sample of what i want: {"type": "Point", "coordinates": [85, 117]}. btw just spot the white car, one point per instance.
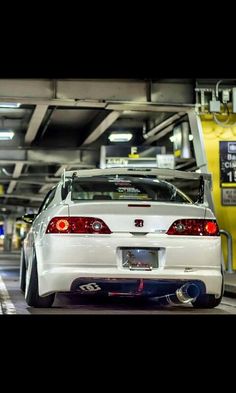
{"type": "Point", "coordinates": [123, 232]}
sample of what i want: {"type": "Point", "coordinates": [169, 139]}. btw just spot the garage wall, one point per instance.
{"type": "Point", "coordinates": [226, 215]}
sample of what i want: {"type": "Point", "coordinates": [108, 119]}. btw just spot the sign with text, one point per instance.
{"type": "Point", "coordinates": [165, 161]}
{"type": "Point", "coordinates": [227, 163]}
{"type": "Point", "coordinates": [228, 196]}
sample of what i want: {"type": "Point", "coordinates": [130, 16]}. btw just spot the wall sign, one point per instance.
{"type": "Point", "coordinates": [228, 196]}
{"type": "Point", "coordinates": [165, 161]}
{"type": "Point", "coordinates": [227, 163]}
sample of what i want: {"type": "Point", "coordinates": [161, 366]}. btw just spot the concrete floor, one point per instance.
{"type": "Point", "coordinates": [14, 302]}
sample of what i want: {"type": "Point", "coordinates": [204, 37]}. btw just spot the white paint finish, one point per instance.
{"type": "Point", "coordinates": [60, 279]}
{"type": "Point", "coordinates": [160, 173]}
{"type": "Point", "coordinates": [120, 217]}
{"type": "Point", "coordinates": [6, 304]}
{"type": "Point", "coordinates": [35, 123]}
{"type": "Point", "coordinates": [63, 258]}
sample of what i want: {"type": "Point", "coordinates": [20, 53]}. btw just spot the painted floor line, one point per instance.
{"type": "Point", "coordinates": [7, 307]}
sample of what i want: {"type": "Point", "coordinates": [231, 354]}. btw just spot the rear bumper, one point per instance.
{"type": "Point", "coordinates": [66, 258]}
{"type": "Point", "coordinates": [69, 279]}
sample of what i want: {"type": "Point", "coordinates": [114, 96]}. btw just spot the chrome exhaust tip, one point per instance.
{"type": "Point", "coordinates": [187, 293]}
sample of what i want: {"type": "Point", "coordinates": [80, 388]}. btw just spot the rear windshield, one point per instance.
{"type": "Point", "coordinates": [126, 188]}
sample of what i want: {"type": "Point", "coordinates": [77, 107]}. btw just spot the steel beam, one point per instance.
{"type": "Point", "coordinates": [32, 197]}
{"type": "Point", "coordinates": [148, 106]}
{"type": "Point", "coordinates": [31, 180]}
{"type": "Point", "coordinates": [100, 125]}
{"type": "Point", "coordinates": [35, 123]}
{"type": "Point", "coordinates": [100, 90]}
{"type": "Point", "coordinates": [162, 125]}
{"type": "Point", "coordinates": [160, 135]}
{"type": "Point", "coordinates": [16, 174]}
{"type": "Point", "coordinates": [11, 186]}
{"type": "Point", "coordinates": [69, 157]}
{"type": "Point", "coordinates": [60, 170]}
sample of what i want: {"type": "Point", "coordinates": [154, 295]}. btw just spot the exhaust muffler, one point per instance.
{"type": "Point", "coordinates": [183, 295]}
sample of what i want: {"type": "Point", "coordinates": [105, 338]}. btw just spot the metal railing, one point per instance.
{"type": "Point", "coordinates": [229, 250]}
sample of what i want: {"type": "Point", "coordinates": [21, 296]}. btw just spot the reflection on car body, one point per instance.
{"type": "Point", "coordinates": [122, 233]}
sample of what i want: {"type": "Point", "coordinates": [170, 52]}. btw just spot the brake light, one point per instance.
{"type": "Point", "coordinates": [194, 227]}
{"type": "Point", "coordinates": [130, 205]}
{"type": "Point", "coordinates": [211, 227]}
{"type": "Point", "coordinates": [62, 225]}
{"type": "Point", "coordinates": [88, 225]}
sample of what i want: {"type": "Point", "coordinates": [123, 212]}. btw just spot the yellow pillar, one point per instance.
{"type": "Point", "coordinates": [213, 134]}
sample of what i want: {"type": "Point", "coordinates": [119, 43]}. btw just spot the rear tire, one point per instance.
{"type": "Point", "coordinates": [209, 301]}
{"type": "Point", "coordinates": [22, 271]}
{"type": "Point", "coordinates": [32, 296]}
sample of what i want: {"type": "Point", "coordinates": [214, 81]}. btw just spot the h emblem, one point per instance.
{"type": "Point", "coordinates": [138, 223]}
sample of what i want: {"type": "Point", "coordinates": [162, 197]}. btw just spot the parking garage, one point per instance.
{"type": "Point", "coordinates": [50, 127]}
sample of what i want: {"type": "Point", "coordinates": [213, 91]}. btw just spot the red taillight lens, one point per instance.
{"type": "Point", "coordinates": [62, 225]}
{"type": "Point", "coordinates": [211, 228]}
{"type": "Point", "coordinates": [194, 227]}
{"type": "Point", "coordinates": [77, 225]}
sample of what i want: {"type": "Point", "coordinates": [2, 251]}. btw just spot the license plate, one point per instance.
{"type": "Point", "coordinates": [140, 258]}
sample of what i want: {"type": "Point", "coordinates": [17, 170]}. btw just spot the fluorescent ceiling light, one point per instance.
{"type": "Point", "coordinates": [9, 104]}
{"type": "Point", "coordinates": [172, 138]}
{"type": "Point", "coordinates": [6, 135]}
{"type": "Point", "coordinates": [120, 137]}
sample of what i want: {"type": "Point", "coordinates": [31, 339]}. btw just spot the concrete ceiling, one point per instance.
{"type": "Point", "coordinates": [62, 124]}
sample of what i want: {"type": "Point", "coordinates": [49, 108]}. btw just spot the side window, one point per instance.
{"type": "Point", "coordinates": [47, 200]}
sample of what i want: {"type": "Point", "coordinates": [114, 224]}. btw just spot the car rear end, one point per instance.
{"type": "Point", "coordinates": [129, 244]}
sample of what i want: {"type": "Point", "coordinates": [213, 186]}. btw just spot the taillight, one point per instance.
{"type": "Point", "coordinates": [194, 227]}
{"type": "Point", "coordinates": [77, 225]}
{"type": "Point", "coordinates": [62, 225]}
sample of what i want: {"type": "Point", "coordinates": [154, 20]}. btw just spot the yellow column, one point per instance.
{"type": "Point", "coordinates": [213, 134]}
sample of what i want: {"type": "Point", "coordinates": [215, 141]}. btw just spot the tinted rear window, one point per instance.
{"type": "Point", "coordinates": [126, 188]}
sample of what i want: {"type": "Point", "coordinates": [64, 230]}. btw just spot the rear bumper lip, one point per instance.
{"type": "Point", "coordinates": [134, 287]}
{"type": "Point", "coordinates": [62, 279]}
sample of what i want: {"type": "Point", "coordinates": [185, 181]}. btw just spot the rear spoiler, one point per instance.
{"type": "Point", "coordinates": [158, 172]}
{"type": "Point", "coordinates": [155, 172]}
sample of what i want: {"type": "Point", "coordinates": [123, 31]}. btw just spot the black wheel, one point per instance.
{"type": "Point", "coordinates": [22, 271]}
{"type": "Point", "coordinates": [32, 296]}
{"type": "Point", "coordinates": [209, 301]}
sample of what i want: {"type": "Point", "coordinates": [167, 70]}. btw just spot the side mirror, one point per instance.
{"type": "Point", "coordinates": [29, 218]}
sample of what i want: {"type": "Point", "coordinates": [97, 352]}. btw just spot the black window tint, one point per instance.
{"type": "Point", "coordinates": [126, 188]}
{"type": "Point", "coordinates": [65, 190]}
